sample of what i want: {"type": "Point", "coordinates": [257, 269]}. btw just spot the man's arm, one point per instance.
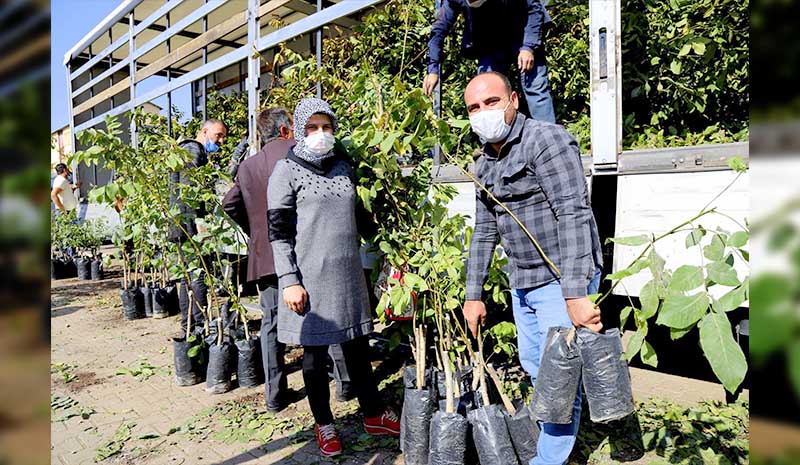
{"type": "Point", "coordinates": [233, 205]}
{"type": "Point", "coordinates": [445, 19]}
{"type": "Point", "coordinates": [54, 195]}
{"type": "Point", "coordinates": [481, 248]}
{"type": "Point", "coordinates": [560, 173]}
{"type": "Point", "coordinates": [533, 28]}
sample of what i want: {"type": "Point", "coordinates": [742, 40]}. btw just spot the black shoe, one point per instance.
{"type": "Point", "coordinates": [345, 396]}
{"type": "Point", "coordinates": [285, 399]}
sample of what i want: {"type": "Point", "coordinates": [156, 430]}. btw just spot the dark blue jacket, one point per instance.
{"type": "Point", "coordinates": [497, 26]}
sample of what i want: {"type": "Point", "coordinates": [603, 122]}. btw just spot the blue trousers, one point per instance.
{"type": "Point", "coordinates": [535, 310]}
{"type": "Point", "coordinates": [535, 85]}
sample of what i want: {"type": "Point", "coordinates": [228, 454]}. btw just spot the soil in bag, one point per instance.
{"type": "Point", "coordinates": [62, 268]}
{"type": "Point", "coordinates": [415, 419]}
{"type": "Point", "coordinates": [448, 439]}
{"type": "Point", "coordinates": [160, 302]}
{"type": "Point", "coordinates": [558, 379]}
{"type": "Point", "coordinates": [132, 303]}
{"type": "Point", "coordinates": [606, 379]}
{"type": "Point", "coordinates": [84, 266]}
{"type": "Point", "coordinates": [96, 269]}
{"type": "Point", "coordinates": [491, 437]}
{"type": "Point", "coordinates": [218, 373]}
{"type": "Point", "coordinates": [147, 300]}
{"type": "Point", "coordinates": [186, 367]}
{"type": "Point", "coordinates": [524, 433]}
{"type": "Point", "coordinates": [249, 370]}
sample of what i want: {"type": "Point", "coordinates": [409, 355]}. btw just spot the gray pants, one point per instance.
{"type": "Point", "coordinates": [272, 351]}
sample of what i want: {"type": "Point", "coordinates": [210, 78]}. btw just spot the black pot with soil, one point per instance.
{"type": "Point", "coordinates": [415, 419]}
{"type": "Point", "coordinates": [147, 300]}
{"type": "Point", "coordinates": [221, 358]}
{"type": "Point", "coordinates": [249, 369]}
{"type": "Point", "coordinates": [62, 268]}
{"type": "Point", "coordinates": [84, 268]}
{"type": "Point", "coordinates": [189, 360]}
{"type": "Point", "coordinates": [96, 273]}
{"type": "Point", "coordinates": [132, 303]}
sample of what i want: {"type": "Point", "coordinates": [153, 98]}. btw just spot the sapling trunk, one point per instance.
{"type": "Point", "coordinates": [190, 292]}
{"type": "Point", "coordinates": [481, 370]}
{"type": "Point", "coordinates": [448, 382]}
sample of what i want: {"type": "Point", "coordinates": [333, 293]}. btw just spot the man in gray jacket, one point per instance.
{"type": "Point", "coordinates": [534, 169]}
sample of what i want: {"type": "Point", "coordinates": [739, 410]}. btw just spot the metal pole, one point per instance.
{"type": "Point", "coordinates": [72, 137]}
{"type": "Point", "coordinates": [169, 78]}
{"type": "Point", "coordinates": [110, 64]}
{"type": "Point", "coordinates": [132, 72]}
{"type": "Point", "coordinates": [437, 96]}
{"type": "Point", "coordinates": [203, 82]}
{"type": "Point", "coordinates": [253, 73]}
{"type": "Point", "coordinates": [319, 50]}
{"type": "Point", "coordinates": [91, 76]}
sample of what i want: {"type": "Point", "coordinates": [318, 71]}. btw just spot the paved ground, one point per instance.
{"type": "Point", "coordinates": [152, 421]}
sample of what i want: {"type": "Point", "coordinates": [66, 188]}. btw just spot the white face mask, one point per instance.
{"type": "Point", "coordinates": [476, 3]}
{"type": "Point", "coordinates": [490, 125]}
{"type": "Point", "coordinates": [320, 143]}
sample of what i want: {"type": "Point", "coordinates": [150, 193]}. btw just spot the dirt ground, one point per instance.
{"type": "Point", "coordinates": [100, 415]}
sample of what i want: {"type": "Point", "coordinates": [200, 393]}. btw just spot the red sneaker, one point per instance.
{"type": "Point", "coordinates": [328, 440]}
{"type": "Point", "coordinates": [386, 423]}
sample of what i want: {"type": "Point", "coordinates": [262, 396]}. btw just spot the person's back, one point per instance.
{"type": "Point", "coordinates": [253, 176]}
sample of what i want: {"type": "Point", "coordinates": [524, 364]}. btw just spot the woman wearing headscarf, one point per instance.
{"type": "Point", "coordinates": [312, 228]}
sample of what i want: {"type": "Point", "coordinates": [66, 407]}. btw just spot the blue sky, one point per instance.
{"type": "Point", "coordinates": [70, 21]}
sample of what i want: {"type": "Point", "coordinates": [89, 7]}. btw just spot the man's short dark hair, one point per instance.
{"type": "Point", "coordinates": [61, 168]}
{"type": "Point", "coordinates": [270, 121]}
{"type": "Point", "coordinates": [211, 121]}
{"type": "Point", "coordinates": [503, 77]}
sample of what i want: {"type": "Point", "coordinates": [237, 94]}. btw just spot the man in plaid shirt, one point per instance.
{"type": "Point", "coordinates": [534, 168]}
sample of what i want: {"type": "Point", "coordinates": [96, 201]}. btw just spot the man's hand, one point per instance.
{"type": "Point", "coordinates": [295, 297]}
{"type": "Point", "coordinates": [525, 61]}
{"type": "Point", "coordinates": [430, 83]}
{"type": "Point", "coordinates": [583, 312]}
{"type": "Point", "coordinates": [475, 314]}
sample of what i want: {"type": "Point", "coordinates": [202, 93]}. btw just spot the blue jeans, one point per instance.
{"type": "Point", "coordinates": [534, 83]}
{"type": "Point", "coordinates": [535, 310]}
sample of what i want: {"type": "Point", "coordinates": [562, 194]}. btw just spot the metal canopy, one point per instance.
{"type": "Point", "coordinates": [187, 41]}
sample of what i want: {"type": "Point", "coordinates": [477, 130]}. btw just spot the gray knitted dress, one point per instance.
{"type": "Point", "coordinates": [312, 218]}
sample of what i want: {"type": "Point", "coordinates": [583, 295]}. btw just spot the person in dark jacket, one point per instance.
{"type": "Point", "coordinates": [246, 204]}
{"type": "Point", "coordinates": [209, 139]}
{"type": "Point", "coordinates": [499, 34]}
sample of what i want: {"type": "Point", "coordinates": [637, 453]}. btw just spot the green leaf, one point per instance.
{"type": "Point", "coordinates": [722, 351]}
{"type": "Point", "coordinates": [677, 333]}
{"type": "Point", "coordinates": [733, 299]}
{"type": "Point", "coordinates": [695, 237]}
{"type": "Point", "coordinates": [648, 355]}
{"type": "Point", "coordinates": [387, 143]}
{"type": "Point", "coordinates": [738, 239]}
{"type": "Point", "coordinates": [715, 250]}
{"type": "Point", "coordinates": [675, 67]}
{"type": "Point", "coordinates": [657, 266]}
{"type": "Point", "coordinates": [737, 164]}
{"type": "Point", "coordinates": [623, 316]}
{"type": "Point", "coordinates": [686, 278]}
{"type": "Point", "coordinates": [635, 344]}
{"type": "Point", "coordinates": [722, 273]}
{"type": "Point", "coordinates": [681, 311]}
{"type": "Point", "coordinates": [636, 267]}
{"type": "Point", "coordinates": [630, 240]}
{"type": "Point", "coordinates": [648, 296]}
{"type": "Point", "coordinates": [687, 47]}
{"type": "Point", "coordinates": [415, 282]}
{"type": "Point", "coordinates": [699, 47]}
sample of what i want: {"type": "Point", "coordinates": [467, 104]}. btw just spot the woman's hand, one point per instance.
{"type": "Point", "coordinates": [295, 297]}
